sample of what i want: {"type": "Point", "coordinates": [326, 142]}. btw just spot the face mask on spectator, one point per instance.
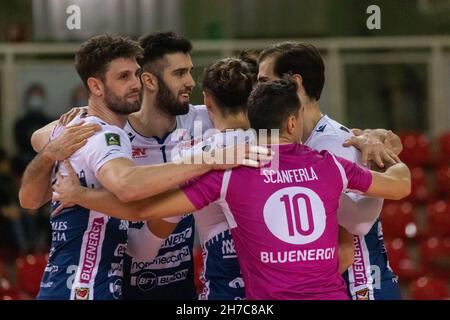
{"type": "Point", "coordinates": [36, 103]}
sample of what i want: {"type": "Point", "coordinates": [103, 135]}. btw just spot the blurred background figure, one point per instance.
{"type": "Point", "coordinates": [33, 119]}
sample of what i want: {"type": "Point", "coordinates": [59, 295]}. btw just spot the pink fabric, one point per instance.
{"type": "Point", "coordinates": [286, 233]}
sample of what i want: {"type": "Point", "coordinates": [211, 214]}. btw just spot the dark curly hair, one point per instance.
{"type": "Point", "coordinates": [94, 55]}
{"type": "Point", "coordinates": [230, 82]}
{"type": "Point", "coordinates": [272, 103]}
{"type": "Point", "coordinates": [156, 45]}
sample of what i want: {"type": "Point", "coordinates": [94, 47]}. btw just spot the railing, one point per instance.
{"type": "Point", "coordinates": [338, 52]}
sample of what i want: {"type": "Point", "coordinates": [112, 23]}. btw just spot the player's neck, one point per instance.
{"type": "Point", "coordinates": [311, 117]}
{"type": "Point", "coordinates": [149, 121]}
{"type": "Point", "coordinates": [238, 121]}
{"type": "Point", "coordinates": [97, 108]}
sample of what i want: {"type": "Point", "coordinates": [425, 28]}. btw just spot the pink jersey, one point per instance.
{"type": "Point", "coordinates": [284, 222]}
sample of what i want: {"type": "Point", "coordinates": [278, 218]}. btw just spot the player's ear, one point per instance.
{"type": "Point", "coordinates": [207, 100]}
{"type": "Point", "coordinates": [291, 124]}
{"type": "Point", "coordinates": [149, 81]}
{"type": "Point", "coordinates": [95, 86]}
{"type": "Point", "coordinates": [299, 80]}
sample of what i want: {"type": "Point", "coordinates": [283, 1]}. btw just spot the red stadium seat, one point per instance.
{"type": "Point", "coordinates": [443, 180]}
{"type": "Point", "coordinates": [435, 255]}
{"type": "Point", "coordinates": [438, 218]}
{"type": "Point", "coordinates": [416, 149]}
{"type": "Point", "coordinates": [419, 186]}
{"type": "Point", "coordinates": [7, 292]}
{"type": "Point", "coordinates": [3, 271]}
{"type": "Point", "coordinates": [399, 220]}
{"type": "Point", "coordinates": [426, 288]}
{"type": "Point", "coordinates": [444, 147]}
{"type": "Point", "coordinates": [29, 273]}
{"type": "Point", "coordinates": [400, 260]}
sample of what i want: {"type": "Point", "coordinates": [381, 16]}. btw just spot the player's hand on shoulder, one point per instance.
{"type": "Point", "coordinates": [372, 149]}
{"type": "Point", "coordinates": [243, 154]}
{"type": "Point", "coordinates": [65, 119]}
{"type": "Point", "coordinates": [70, 140]}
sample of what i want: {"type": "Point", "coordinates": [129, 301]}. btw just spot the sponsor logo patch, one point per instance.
{"type": "Point", "coordinates": [81, 293]}
{"type": "Point", "coordinates": [112, 139]}
{"type": "Point", "coordinates": [362, 294]}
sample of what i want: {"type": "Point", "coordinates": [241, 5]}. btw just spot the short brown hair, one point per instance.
{"type": "Point", "coordinates": [95, 54]}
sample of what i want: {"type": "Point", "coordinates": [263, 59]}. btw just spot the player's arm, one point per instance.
{"type": "Point", "coordinates": [35, 188]}
{"type": "Point", "coordinates": [357, 213]}
{"type": "Point", "coordinates": [42, 136]}
{"type": "Point", "coordinates": [68, 192]}
{"type": "Point", "coordinates": [144, 243]}
{"type": "Point", "coordinates": [130, 183]}
{"type": "Point", "coordinates": [346, 250]}
{"type": "Point", "coordinates": [394, 183]}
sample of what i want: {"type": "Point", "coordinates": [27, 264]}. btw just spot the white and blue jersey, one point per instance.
{"type": "Point", "coordinates": [221, 278]}
{"type": "Point", "coordinates": [86, 256]}
{"type": "Point", "coordinates": [370, 277]}
{"type": "Point", "coordinates": [170, 275]}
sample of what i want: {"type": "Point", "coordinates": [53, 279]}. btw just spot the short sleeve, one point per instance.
{"type": "Point", "coordinates": [354, 177]}
{"type": "Point", "coordinates": [205, 189]}
{"type": "Point", "coordinates": [107, 145]}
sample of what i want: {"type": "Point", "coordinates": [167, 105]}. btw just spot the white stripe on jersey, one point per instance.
{"type": "Point", "coordinates": [91, 249]}
{"type": "Point", "coordinates": [368, 283]}
{"type": "Point", "coordinates": [342, 171]}
{"type": "Point", "coordinates": [223, 203]}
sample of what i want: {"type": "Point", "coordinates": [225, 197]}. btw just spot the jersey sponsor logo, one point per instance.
{"type": "Point", "coordinates": [321, 128]}
{"type": "Point", "coordinates": [298, 255]}
{"type": "Point", "coordinates": [116, 289]}
{"type": "Point", "coordinates": [51, 268]}
{"type": "Point", "coordinates": [58, 228]}
{"type": "Point", "coordinates": [112, 139]}
{"type": "Point", "coordinates": [362, 294]}
{"type": "Point", "coordinates": [169, 260]}
{"type": "Point", "coordinates": [177, 238]}
{"type": "Point", "coordinates": [177, 276]}
{"type": "Point", "coordinates": [236, 283]}
{"type": "Point", "coordinates": [120, 250]}
{"type": "Point", "coordinates": [90, 256]}
{"type": "Point", "coordinates": [228, 249]}
{"type": "Point", "coordinates": [146, 281]}
{"type": "Point", "coordinates": [46, 284]}
{"type": "Point", "coordinates": [139, 153]}
{"type": "Point", "coordinates": [124, 224]}
{"type": "Point", "coordinates": [359, 267]}
{"type": "Point", "coordinates": [81, 293]}
{"type": "Point", "coordinates": [288, 214]}
{"type": "Point", "coordinates": [116, 269]}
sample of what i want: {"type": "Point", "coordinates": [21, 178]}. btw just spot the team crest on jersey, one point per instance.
{"type": "Point", "coordinates": [112, 139]}
{"type": "Point", "coordinates": [81, 293]}
{"type": "Point", "coordinates": [362, 294]}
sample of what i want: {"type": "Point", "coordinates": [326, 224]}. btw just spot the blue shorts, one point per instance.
{"type": "Point", "coordinates": [221, 277]}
